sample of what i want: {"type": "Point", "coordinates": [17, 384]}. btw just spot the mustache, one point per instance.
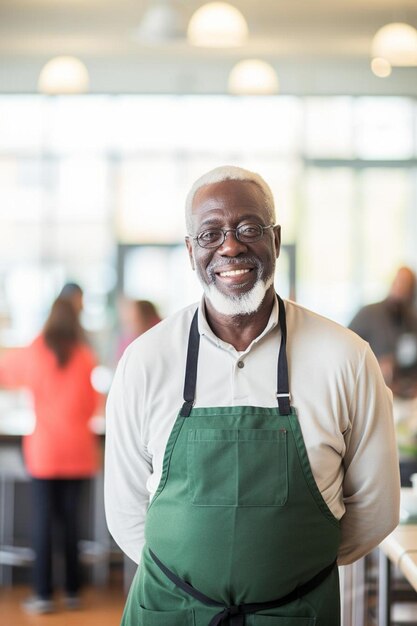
{"type": "Point", "coordinates": [250, 260]}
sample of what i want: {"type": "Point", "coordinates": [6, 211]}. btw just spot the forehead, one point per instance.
{"type": "Point", "coordinates": [229, 199]}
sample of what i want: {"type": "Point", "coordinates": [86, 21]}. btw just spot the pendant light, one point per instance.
{"type": "Point", "coordinates": [63, 75]}
{"type": "Point", "coordinates": [396, 43]}
{"type": "Point", "coordinates": [253, 77]}
{"type": "Point", "coordinates": [217, 25]}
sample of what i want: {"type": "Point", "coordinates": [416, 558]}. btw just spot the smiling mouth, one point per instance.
{"type": "Point", "coordinates": [233, 273]}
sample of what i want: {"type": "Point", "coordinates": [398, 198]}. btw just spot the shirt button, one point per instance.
{"type": "Point", "coordinates": [240, 364]}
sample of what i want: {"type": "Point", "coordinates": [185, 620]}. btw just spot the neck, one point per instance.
{"type": "Point", "coordinates": [240, 330]}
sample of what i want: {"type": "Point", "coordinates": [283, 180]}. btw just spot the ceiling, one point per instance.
{"type": "Point", "coordinates": [316, 46]}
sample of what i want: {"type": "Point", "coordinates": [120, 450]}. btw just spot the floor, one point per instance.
{"type": "Point", "coordinates": [100, 607]}
{"type": "Point", "coordinates": [104, 607]}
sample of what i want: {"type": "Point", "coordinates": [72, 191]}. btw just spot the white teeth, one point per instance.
{"type": "Point", "coordinates": [234, 272]}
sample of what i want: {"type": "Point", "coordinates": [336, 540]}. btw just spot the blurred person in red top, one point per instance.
{"type": "Point", "coordinates": [136, 317]}
{"type": "Point", "coordinates": [62, 451]}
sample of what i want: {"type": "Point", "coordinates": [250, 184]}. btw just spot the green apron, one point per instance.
{"type": "Point", "coordinates": [237, 532]}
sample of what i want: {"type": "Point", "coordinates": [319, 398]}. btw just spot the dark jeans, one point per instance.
{"type": "Point", "coordinates": [406, 469]}
{"type": "Point", "coordinates": [55, 499]}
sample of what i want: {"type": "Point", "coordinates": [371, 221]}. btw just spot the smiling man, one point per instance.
{"type": "Point", "coordinates": [250, 446]}
{"type": "Point", "coordinates": [236, 282]}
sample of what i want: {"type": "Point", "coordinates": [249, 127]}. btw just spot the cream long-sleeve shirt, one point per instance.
{"type": "Point", "coordinates": [343, 406]}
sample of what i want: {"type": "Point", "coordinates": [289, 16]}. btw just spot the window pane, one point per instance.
{"type": "Point", "coordinates": [82, 192]}
{"type": "Point", "coordinates": [245, 125]}
{"type": "Point", "coordinates": [385, 196]}
{"type": "Point", "coordinates": [21, 189]}
{"type": "Point", "coordinates": [79, 123]}
{"type": "Point", "coordinates": [328, 127]}
{"type": "Point", "coordinates": [383, 128]}
{"type": "Point", "coordinates": [325, 241]}
{"type": "Point", "coordinates": [79, 244]}
{"type": "Point", "coordinates": [21, 123]}
{"type": "Point", "coordinates": [146, 123]}
{"type": "Point", "coordinates": [19, 244]}
{"type": "Point", "coordinates": [149, 207]}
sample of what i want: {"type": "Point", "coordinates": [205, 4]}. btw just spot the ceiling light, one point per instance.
{"type": "Point", "coordinates": [253, 77]}
{"type": "Point", "coordinates": [381, 67]}
{"type": "Point", "coordinates": [397, 43]}
{"type": "Point", "coordinates": [164, 20]}
{"type": "Point", "coordinates": [63, 75]}
{"type": "Point", "coordinates": [217, 25]}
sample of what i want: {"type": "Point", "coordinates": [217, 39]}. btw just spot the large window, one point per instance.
{"type": "Point", "coordinates": [82, 177]}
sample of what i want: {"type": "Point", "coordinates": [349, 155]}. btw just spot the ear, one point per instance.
{"type": "Point", "coordinates": [277, 238]}
{"type": "Point", "coordinates": [189, 245]}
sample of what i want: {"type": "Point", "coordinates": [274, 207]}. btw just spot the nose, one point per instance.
{"type": "Point", "coordinates": [231, 245]}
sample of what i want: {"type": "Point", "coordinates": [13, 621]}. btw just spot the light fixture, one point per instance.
{"type": "Point", "coordinates": [217, 25]}
{"type": "Point", "coordinates": [163, 21]}
{"type": "Point", "coordinates": [63, 75]}
{"type": "Point", "coordinates": [381, 67]}
{"type": "Point", "coordinates": [253, 77]}
{"type": "Point", "coordinates": [396, 43]}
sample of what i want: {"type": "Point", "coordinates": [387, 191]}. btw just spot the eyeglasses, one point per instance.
{"type": "Point", "coordinates": [246, 233]}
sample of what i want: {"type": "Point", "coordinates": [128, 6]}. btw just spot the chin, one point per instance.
{"type": "Point", "coordinates": [236, 305]}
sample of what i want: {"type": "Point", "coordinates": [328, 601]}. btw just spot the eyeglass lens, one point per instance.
{"type": "Point", "coordinates": [245, 233]}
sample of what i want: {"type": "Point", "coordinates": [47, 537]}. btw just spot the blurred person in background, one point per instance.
{"type": "Point", "coordinates": [136, 317]}
{"type": "Point", "coordinates": [73, 293]}
{"type": "Point", "coordinates": [62, 452]}
{"type": "Point", "coordinates": [390, 327]}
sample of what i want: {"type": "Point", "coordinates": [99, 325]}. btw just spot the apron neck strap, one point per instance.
{"type": "Point", "coordinates": [283, 394]}
{"type": "Point", "coordinates": [283, 389]}
{"type": "Point", "coordinates": [191, 367]}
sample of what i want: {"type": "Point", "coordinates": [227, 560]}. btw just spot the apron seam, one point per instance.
{"type": "Point", "coordinates": [305, 464]}
{"type": "Point", "coordinates": [167, 461]}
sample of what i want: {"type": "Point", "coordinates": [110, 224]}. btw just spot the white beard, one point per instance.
{"type": "Point", "coordinates": [244, 304]}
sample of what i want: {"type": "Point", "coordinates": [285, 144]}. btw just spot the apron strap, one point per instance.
{"type": "Point", "coordinates": [235, 615]}
{"type": "Point", "coordinates": [283, 389]}
{"type": "Point", "coordinates": [191, 367]}
{"type": "Point", "coordinates": [283, 393]}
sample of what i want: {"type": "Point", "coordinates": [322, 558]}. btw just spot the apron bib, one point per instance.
{"type": "Point", "coordinates": [238, 532]}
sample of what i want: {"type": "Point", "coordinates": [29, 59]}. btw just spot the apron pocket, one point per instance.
{"type": "Point", "coordinates": [166, 618]}
{"type": "Point", "coordinates": [266, 620]}
{"type": "Point", "coordinates": [245, 467]}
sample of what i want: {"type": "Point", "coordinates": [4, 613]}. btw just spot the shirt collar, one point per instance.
{"type": "Point", "coordinates": [205, 330]}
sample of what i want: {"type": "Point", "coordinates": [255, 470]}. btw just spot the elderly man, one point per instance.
{"type": "Point", "coordinates": [250, 445]}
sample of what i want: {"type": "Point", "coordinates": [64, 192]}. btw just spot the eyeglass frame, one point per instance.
{"type": "Point", "coordinates": [231, 230]}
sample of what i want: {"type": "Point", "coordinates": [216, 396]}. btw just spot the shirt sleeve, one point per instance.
{"type": "Point", "coordinates": [127, 464]}
{"type": "Point", "coordinates": [371, 487]}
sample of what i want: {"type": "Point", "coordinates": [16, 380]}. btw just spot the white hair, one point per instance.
{"type": "Point", "coordinates": [228, 172]}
